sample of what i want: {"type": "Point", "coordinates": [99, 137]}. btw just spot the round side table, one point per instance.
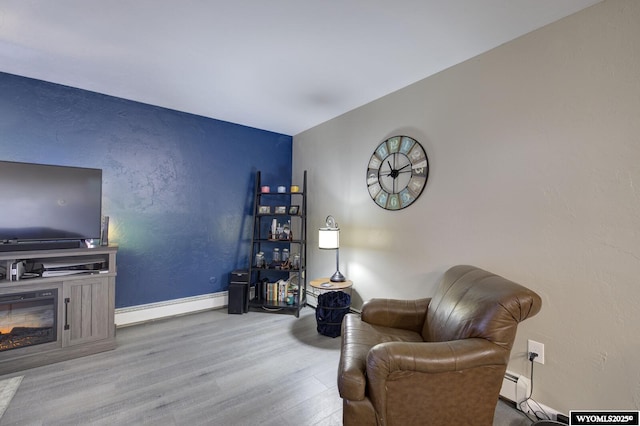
{"type": "Point", "coordinates": [326, 284]}
{"type": "Point", "coordinates": [334, 302]}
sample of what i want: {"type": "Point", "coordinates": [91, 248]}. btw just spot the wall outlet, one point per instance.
{"type": "Point", "coordinates": [537, 347]}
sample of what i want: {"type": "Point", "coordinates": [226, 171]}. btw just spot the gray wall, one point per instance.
{"type": "Point", "coordinates": [535, 175]}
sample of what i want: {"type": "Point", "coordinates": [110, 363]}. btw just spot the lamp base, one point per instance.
{"type": "Point", "coordinates": [338, 277]}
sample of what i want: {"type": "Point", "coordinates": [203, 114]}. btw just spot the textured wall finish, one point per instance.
{"type": "Point", "coordinates": [177, 187]}
{"type": "Point", "coordinates": [534, 150]}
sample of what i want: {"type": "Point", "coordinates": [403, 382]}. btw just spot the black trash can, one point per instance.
{"type": "Point", "coordinates": [332, 307]}
{"type": "Point", "coordinates": [239, 292]}
{"type": "Point", "coordinates": [237, 297]}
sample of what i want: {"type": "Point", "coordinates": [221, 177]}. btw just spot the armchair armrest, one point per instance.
{"type": "Point", "coordinates": [433, 357]}
{"type": "Point", "coordinates": [396, 361]}
{"type": "Point", "coordinates": [404, 314]}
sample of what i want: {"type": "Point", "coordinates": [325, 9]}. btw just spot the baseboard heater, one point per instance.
{"type": "Point", "coordinates": [515, 387]}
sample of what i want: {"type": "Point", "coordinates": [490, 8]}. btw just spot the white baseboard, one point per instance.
{"type": "Point", "coordinates": [312, 299]}
{"type": "Point", "coordinates": [169, 308]}
{"type": "Point", "coordinates": [517, 388]}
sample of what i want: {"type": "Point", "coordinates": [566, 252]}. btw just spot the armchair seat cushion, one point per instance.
{"type": "Point", "coordinates": [358, 338]}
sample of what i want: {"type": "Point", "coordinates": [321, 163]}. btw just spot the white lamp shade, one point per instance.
{"type": "Point", "coordinates": [329, 238]}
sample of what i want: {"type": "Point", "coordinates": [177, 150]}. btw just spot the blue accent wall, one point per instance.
{"type": "Point", "coordinates": [176, 186]}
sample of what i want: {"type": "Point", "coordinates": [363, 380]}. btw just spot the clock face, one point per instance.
{"type": "Point", "coordinates": [397, 172]}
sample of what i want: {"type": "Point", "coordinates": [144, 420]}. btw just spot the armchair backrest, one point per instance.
{"type": "Point", "coordinates": [471, 302]}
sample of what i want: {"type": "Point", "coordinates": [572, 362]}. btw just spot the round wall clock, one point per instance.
{"type": "Point", "coordinates": [397, 172]}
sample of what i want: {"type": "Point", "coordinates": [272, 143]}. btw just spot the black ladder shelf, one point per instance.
{"type": "Point", "coordinates": [280, 286]}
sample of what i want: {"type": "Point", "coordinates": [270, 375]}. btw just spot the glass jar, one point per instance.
{"type": "Point", "coordinates": [276, 255]}
{"type": "Point", "coordinates": [295, 263]}
{"type": "Point", "coordinates": [285, 255]}
{"type": "Point", "coordinates": [259, 260]}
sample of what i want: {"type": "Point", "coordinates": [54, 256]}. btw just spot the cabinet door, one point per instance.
{"type": "Point", "coordinates": [86, 309]}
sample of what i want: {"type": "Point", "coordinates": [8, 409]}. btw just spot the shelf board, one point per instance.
{"type": "Point", "coordinates": [278, 215]}
{"type": "Point", "coordinates": [281, 193]}
{"type": "Point", "coordinates": [270, 268]}
{"type": "Point", "coordinates": [272, 304]}
{"type": "Point", "coordinates": [266, 240]}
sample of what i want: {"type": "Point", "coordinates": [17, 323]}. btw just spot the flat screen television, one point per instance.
{"type": "Point", "coordinates": [47, 203]}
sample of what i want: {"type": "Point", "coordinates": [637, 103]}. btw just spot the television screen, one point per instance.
{"type": "Point", "coordinates": [46, 203]}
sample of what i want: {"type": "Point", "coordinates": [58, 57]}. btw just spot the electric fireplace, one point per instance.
{"type": "Point", "coordinates": [28, 318]}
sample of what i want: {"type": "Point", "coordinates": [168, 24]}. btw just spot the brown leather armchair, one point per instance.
{"type": "Point", "coordinates": [433, 361]}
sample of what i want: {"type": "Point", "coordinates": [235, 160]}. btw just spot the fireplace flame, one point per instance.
{"type": "Point", "coordinates": [27, 322]}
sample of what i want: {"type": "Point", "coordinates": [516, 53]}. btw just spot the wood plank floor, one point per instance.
{"type": "Point", "coordinates": [208, 368]}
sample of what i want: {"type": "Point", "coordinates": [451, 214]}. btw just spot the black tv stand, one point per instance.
{"type": "Point", "coordinates": [40, 245]}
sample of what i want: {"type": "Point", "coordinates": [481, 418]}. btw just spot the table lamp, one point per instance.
{"type": "Point", "coordinates": [329, 239]}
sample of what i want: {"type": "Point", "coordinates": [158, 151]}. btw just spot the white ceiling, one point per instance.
{"type": "Point", "coordinates": [279, 65]}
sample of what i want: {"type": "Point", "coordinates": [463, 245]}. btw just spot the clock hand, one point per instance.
{"type": "Point", "coordinates": [403, 167]}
